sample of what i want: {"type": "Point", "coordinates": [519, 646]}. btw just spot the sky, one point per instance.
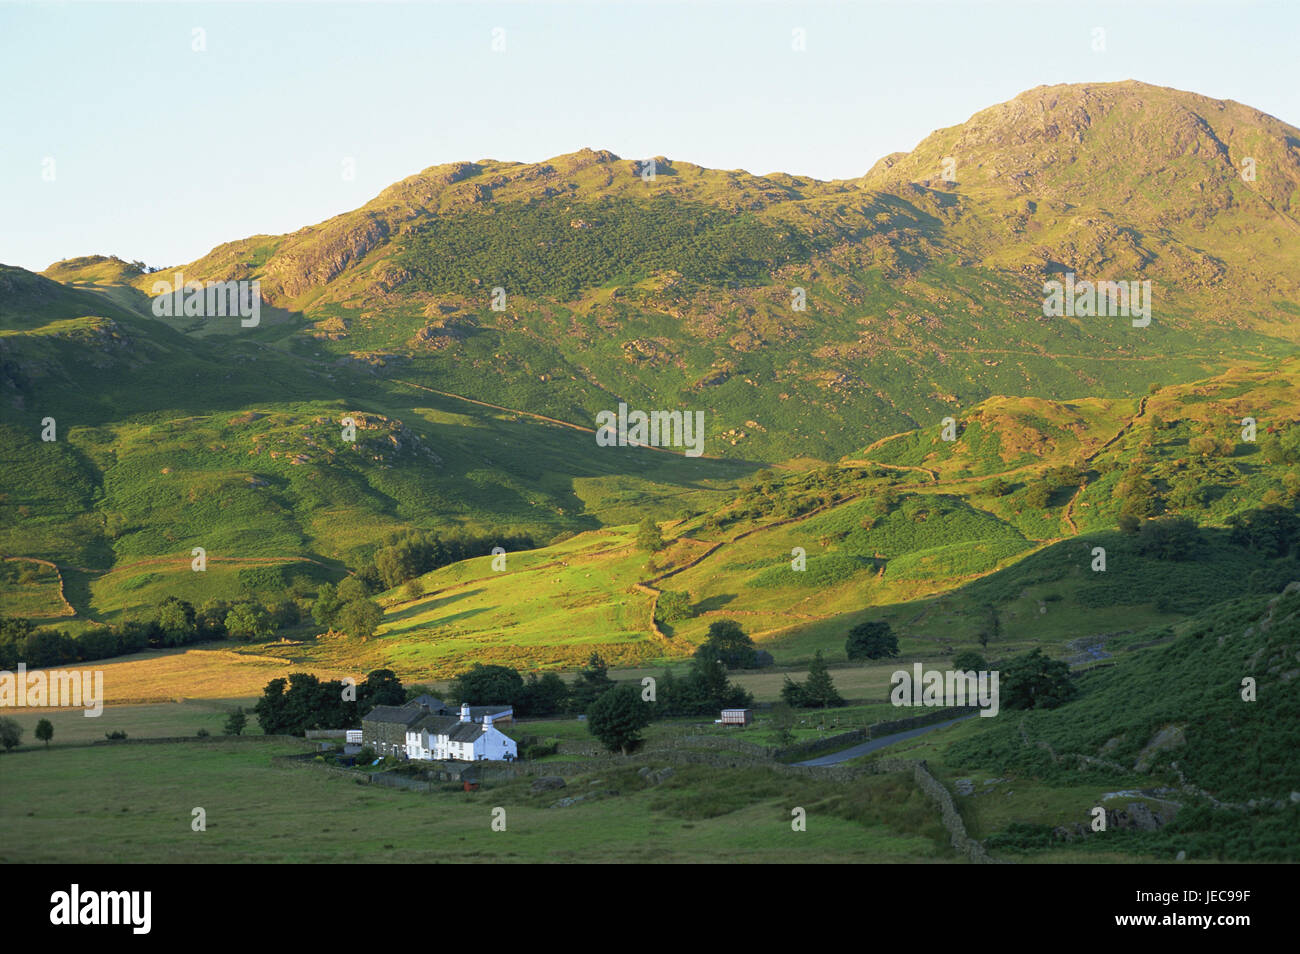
{"type": "Point", "coordinates": [156, 130]}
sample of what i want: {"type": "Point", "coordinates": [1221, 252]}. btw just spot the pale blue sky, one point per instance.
{"type": "Point", "coordinates": [161, 152]}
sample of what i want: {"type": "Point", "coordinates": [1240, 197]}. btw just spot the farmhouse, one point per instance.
{"type": "Point", "coordinates": [426, 725]}
{"type": "Point", "coordinates": [383, 728]}
{"type": "Point", "coordinates": [461, 739]}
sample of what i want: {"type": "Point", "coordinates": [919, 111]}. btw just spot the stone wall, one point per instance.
{"type": "Point", "coordinates": [952, 821]}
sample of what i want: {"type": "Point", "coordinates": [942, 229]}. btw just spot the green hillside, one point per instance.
{"type": "Point", "coordinates": [924, 294]}
{"type": "Point", "coordinates": [1169, 726]}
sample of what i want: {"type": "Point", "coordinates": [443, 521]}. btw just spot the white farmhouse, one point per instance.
{"type": "Point", "coordinates": [460, 739]}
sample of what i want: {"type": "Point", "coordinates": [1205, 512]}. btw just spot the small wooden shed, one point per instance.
{"type": "Point", "coordinates": [737, 716]}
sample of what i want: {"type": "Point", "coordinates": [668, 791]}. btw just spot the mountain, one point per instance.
{"type": "Point", "coordinates": [665, 285]}
{"type": "Point", "coordinates": [923, 295]}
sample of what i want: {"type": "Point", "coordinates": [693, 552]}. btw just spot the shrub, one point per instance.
{"type": "Point", "coordinates": [873, 639]}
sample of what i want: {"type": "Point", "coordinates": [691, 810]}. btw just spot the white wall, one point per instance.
{"type": "Point", "coordinates": [492, 744]}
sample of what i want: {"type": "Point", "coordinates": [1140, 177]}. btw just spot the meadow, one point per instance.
{"type": "Point", "coordinates": [133, 804]}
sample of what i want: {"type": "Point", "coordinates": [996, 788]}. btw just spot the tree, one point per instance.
{"type": "Point", "coordinates": [326, 608]}
{"type": "Point", "coordinates": [727, 641]}
{"type": "Point", "coordinates": [236, 723]}
{"type": "Point", "coordinates": [1137, 493]}
{"type": "Point", "coordinates": [44, 648]}
{"type": "Point", "coordinates": [1033, 681]}
{"type": "Point", "coordinates": [482, 685]}
{"type": "Point", "coordinates": [969, 661]}
{"type": "Point", "coordinates": [360, 618]}
{"type": "Point", "coordinates": [210, 619]}
{"type": "Point", "coordinates": [248, 621]}
{"type": "Point", "coordinates": [271, 708]}
{"type": "Point", "coordinates": [992, 627]}
{"type": "Point", "coordinates": [45, 731]}
{"type": "Point", "coordinates": [792, 693]}
{"type": "Point", "coordinates": [11, 733]}
{"type": "Point", "coordinates": [873, 639]}
{"type": "Point", "coordinates": [617, 718]}
{"type": "Point", "coordinates": [819, 690]}
{"type": "Point", "coordinates": [1169, 538]}
{"type": "Point", "coordinates": [648, 536]}
{"type": "Point", "coordinates": [671, 606]}
{"type": "Point", "coordinates": [352, 588]}
{"type": "Point", "coordinates": [1272, 530]}
{"type": "Point", "coordinates": [176, 621]}
{"type": "Point", "coordinates": [542, 697]}
{"type": "Point", "coordinates": [381, 688]}
{"type": "Point", "coordinates": [997, 487]}
{"type": "Point", "coordinates": [1037, 495]}
{"type": "Point", "coordinates": [590, 684]}
{"type": "Point", "coordinates": [1206, 445]}
{"type": "Point", "coordinates": [413, 589]}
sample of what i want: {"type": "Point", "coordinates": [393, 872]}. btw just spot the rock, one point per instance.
{"type": "Point", "coordinates": [965, 786]}
{"type": "Point", "coordinates": [1171, 736]}
{"type": "Point", "coordinates": [1137, 815]}
{"type": "Point", "coordinates": [548, 783]}
{"type": "Point", "coordinates": [662, 774]}
{"type": "Point", "coordinates": [575, 799]}
{"type": "Point", "coordinates": [1070, 832]}
{"type": "Point", "coordinates": [1295, 796]}
{"type": "Point", "coordinates": [1181, 856]}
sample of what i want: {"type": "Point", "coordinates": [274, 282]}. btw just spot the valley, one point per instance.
{"type": "Point", "coordinates": [423, 457]}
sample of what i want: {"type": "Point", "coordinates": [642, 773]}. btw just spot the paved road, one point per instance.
{"type": "Point", "coordinates": [845, 754]}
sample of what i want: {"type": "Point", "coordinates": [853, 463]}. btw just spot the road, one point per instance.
{"type": "Point", "coordinates": [862, 749]}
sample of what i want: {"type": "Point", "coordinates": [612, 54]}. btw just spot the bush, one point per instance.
{"type": "Point", "coordinates": [871, 640]}
{"type": "Point", "coordinates": [672, 606]}
{"type": "Point", "coordinates": [1033, 681]}
{"type": "Point", "coordinates": [531, 747]}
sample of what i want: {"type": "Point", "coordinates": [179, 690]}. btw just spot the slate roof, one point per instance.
{"type": "Point", "coordinates": [465, 732]}
{"type": "Point", "coordinates": [434, 704]}
{"type": "Point", "coordinates": [437, 724]}
{"type": "Point", "coordinates": [476, 713]}
{"type": "Point", "coordinates": [450, 726]}
{"type": "Point", "coordinates": [399, 715]}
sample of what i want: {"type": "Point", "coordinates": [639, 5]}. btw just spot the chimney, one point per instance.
{"type": "Point", "coordinates": [464, 712]}
{"type": "Point", "coordinates": [487, 722]}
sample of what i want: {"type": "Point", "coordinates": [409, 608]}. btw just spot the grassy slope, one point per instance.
{"type": "Point", "coordinates": [929, 565]}
{"type": "Point", "coordinates": [1237, 751]}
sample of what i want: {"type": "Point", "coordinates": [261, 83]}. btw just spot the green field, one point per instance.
{"type": "Point", "coordinates": [134, 804]}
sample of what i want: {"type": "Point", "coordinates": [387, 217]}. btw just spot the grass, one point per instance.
{"type": "Point", "coordinates": [158, 720]}
{"type": "Point", "coordinates": [133, 804]}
